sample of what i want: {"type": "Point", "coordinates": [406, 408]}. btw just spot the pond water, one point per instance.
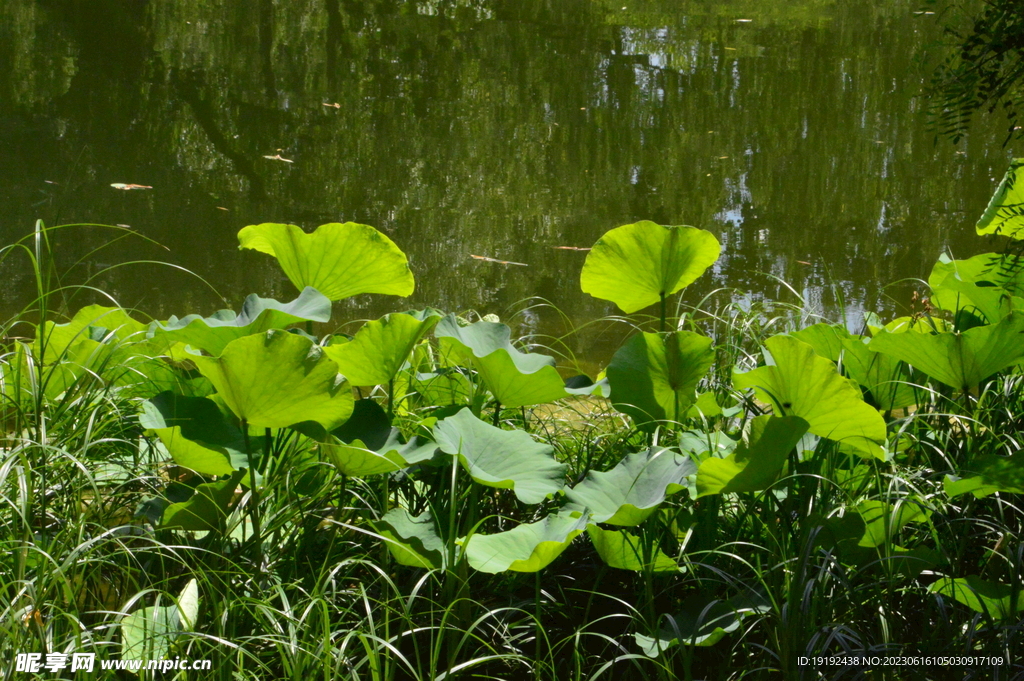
{"type": "Point", "coordinates": [794, 130]}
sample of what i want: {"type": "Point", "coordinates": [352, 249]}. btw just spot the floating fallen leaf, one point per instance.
{"type": "Point", "coordinates": [221, 208]}
{"type": "Point", "coordinates": [803, 262]}
{"type": "Point", "coordinates": [278, 157]}
{"type": "Point", "coordinates": [121, 185]}
{"type": "Point", "coordinates": [571, 248]}
{"type": "Point", "coordinates": [500, 262]}
{"type": "Point", "coordinates": [49, 182]}
{"type": "Point", "coordinates": [334, 105]}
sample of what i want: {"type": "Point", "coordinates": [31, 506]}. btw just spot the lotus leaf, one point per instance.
{"type": "Point", "coordinates": [805, 385]}
{"type": "Point", "coordinates": [882, 521]}
{"type": "Point", "coordinates": [960, 360]}
{"type": "Point", "coordinates": [886, 378]}
{"type": "Point", "coordinates": [630, 492]}
{"type": "Point", "coordinates": [516, 379]}
{"type": "Point", "coordinates": [525, 548]}
{"type": "Point", "coordinates": [110, 320]}
{"type": "Point", "coordinates": [625, 552]}
{"type": "Point", "coordinates": [1005, 212]}
{"type": "Point", "coordinates": [992, 599]}
{"type": "Point", "coordinates": [275, 379]}
{"type": "Point", "coordinates": [147, 634]}
{"type": "Point", "coordinates": [703, 621]}
{"type": "Point", "coordinates": [826, 339]}
{"type": "Point", "coordinates": [507, 459]}
{"type": "Point", "coordinates": [757, 461]}
{"type": "Point", "coordinates": [206, 509]}
{"type": "Point", "coordinates": [638, 265]}
{"type": "Point", "coordinates": [339, 260]}
{"type": "Point", "coordinates": [654, 377]}
{"type": "Point", "coordinates": [989, 473]}
{"type": "Point", "coordinates": [379, 349]}
{"type": "Point", "coordinates": [412, 540]}
{"type": "Point", "coordinates": [258, 314]}
{"type": "Point", "coordinates": [964, 285]}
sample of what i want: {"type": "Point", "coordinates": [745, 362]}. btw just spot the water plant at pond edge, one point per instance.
{"type": "Point", "coordinates": [396, 504]}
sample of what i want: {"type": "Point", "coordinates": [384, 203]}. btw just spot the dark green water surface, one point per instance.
{"type": "Point", "coordinates": [793, 130]}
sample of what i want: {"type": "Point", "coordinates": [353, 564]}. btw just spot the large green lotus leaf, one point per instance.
{"type": "Point", "coordinates": [524, 548]}
{"type": "Point", "coordinates": [922, 324]}
{"type": "Point", "coordinates": [516, 379]}
{"type": "Point", "coordinates": [882, 520]}
{"type": "Point", "coordinates": [275, 379]}
{"type": "Point", "coordinates": [703, 621]}
{"type": "Point", "coordinates": [147, 634]}
{"type": "Point", "coordinates": [826, 339]}
{"type": "Point", "coordinates": [258, 314]}
{"type": "Point", "coordinates": [507, 459]}
{"type": "Point", "coordinates": [992, 270]}
{"type": "Point", "coordinates": [1005, 212]}
{"type": "Point", "coordinates": [196, 433]}
{"type": "Point", "coordinates": [960, 360]}
{"type": "Point", "coordinates": [206, 509]}
{"type": "Point", "coordinates": [757, 461]}
{"type": "Point", "coordinates": [412, 540]}
{"type": "Point", "coordinates": [631, 491]}
{"type": "Point", "coordinates": [625, 552]}
{"type": "Point", "coordinates": [636, 265]}
{"type": "Point", "coordinates": [379, 349]}
{"type": "Point", "coordinates": [339, 260]}
{"type": "Point", "coordinates": [886, 378]}
{"type": "Point", "coordinates": [989, 473]}
{"type": "Point", "coordinates": [993, 599]}
{"type": "Point", "coordinates": [653, 377]}
{"type": "Point", "coordinates": [438, 389]}
{"type": "Point", "coordinates": [806, 385]}
{"type": "Point", "coordinates": [111, 320]}
{"type": "Point", "coordinates": [963, 285]}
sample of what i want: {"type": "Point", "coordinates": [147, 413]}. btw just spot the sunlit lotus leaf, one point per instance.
{"type": "Point", "coordinates": [524, 548]}
{"type": "Point", "coordinates": [635, 265]}
{"type": "Point", "coordinates": [338, 260]}
{"type": "Point", "coordinates": [882, 520]}
{"type": "Point", "coordinates": [654, 377]}
{"type": "Point", "coordinates": [275, 379]}
{"type": "Point", "coordinates": [988, 474]}
{"type": "Point", "coordinates": [922, 324]}
{"type": "Point", "coordinates": [436, 389]}
{"type": "Point", "coordinates": [992, 599]}
{"type": "Point", "coordinates": [826, 339]}
{"type": "Point", "coordinates": [703, 621]}
{"type": "Point", "coordinates": [960, 360]}
{"type": "Point", "coordinates": [206, 509]}
{"type": "Point", "coordinates": [627, 494]}
{"type": "Point", "coordinates": [619, 549]}
{"type": "Point", "coordinates": [965, 285]}
{"type": "Point", "coordinates": [94, 322]}
{"type": "Point", "coordinates": [999, 270]}
{"type": "Point", "coordinates": [148, 633]}
{"type": "Point", "coordinates": [412, 540]}
{"type": "Point", "coordinates": [506, 459]}
{"type": "Point", "coordinates": [516, 379]}
{"type": "Point", "coordinates": [887, 379]}
{"type": "Point", "coordinates": [197, 434]}
{"type": "Point", "coordinates": [757, 461]}
{"type": "Point", "coordinates": [1005, 212]}
{"type": "Point", "coordinates": [379, 349]}
{"type": "Point", "coordinates": [706, 406]}
{"type": "Point", "coordinates": [800, 383]}
{"type": "Point", "coordinates": [258, 314]}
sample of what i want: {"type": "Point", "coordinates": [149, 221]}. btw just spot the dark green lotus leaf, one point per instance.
{"type": "Point", "coordinates": [703, 621]}
{"type": "Point", "coordinates": [882, 520]}
{"type": "Point", "coordinates": [412, 540]}
{"type": "Point", "coordinates": [627, 494]}
{"type": "Point", "coordinates": [806, 385]}
{"type": "Point", "coordinates": [379, 349]}
{"type": "Point", "coordinates": [826, 339]}
{"type": "Point", "coordinates": [339, 260]}
{"type": "Point", "coordinates": [960, 360]}
{"type": "Point", "coordinates": [987, 474]}
{"type": "Point", "coordinates": [635, 265]}
{"type": "Point", "coordinates": [196, 433]}
{"type": "Point", "coordinates": [258, 314]}
{"type": "Point", "coordinates": [276, 379]}
{"type": "Point", "coordinates": [206, 509]}
{"type": "Point", "coordinates": [887, 379]}
{"type": "Point", "coordinates": [623, 551]}
{"type": "Point", "coordinates": [507, 459]}
{"type": "Point", "coordinates": [1005, 212]}
{"type": "Point", "coordinates": [992, 599]}
{"type": "Point", "coordinates": [516, 379]}
{"type": "Point", "coordinates": [758, 459]}
{"type": "Point", "coordinates": [654, 377]}
{"type": "Point", "coordinates": [524, 548]}
{"type": "Point", "coordinates": [148, 633]}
